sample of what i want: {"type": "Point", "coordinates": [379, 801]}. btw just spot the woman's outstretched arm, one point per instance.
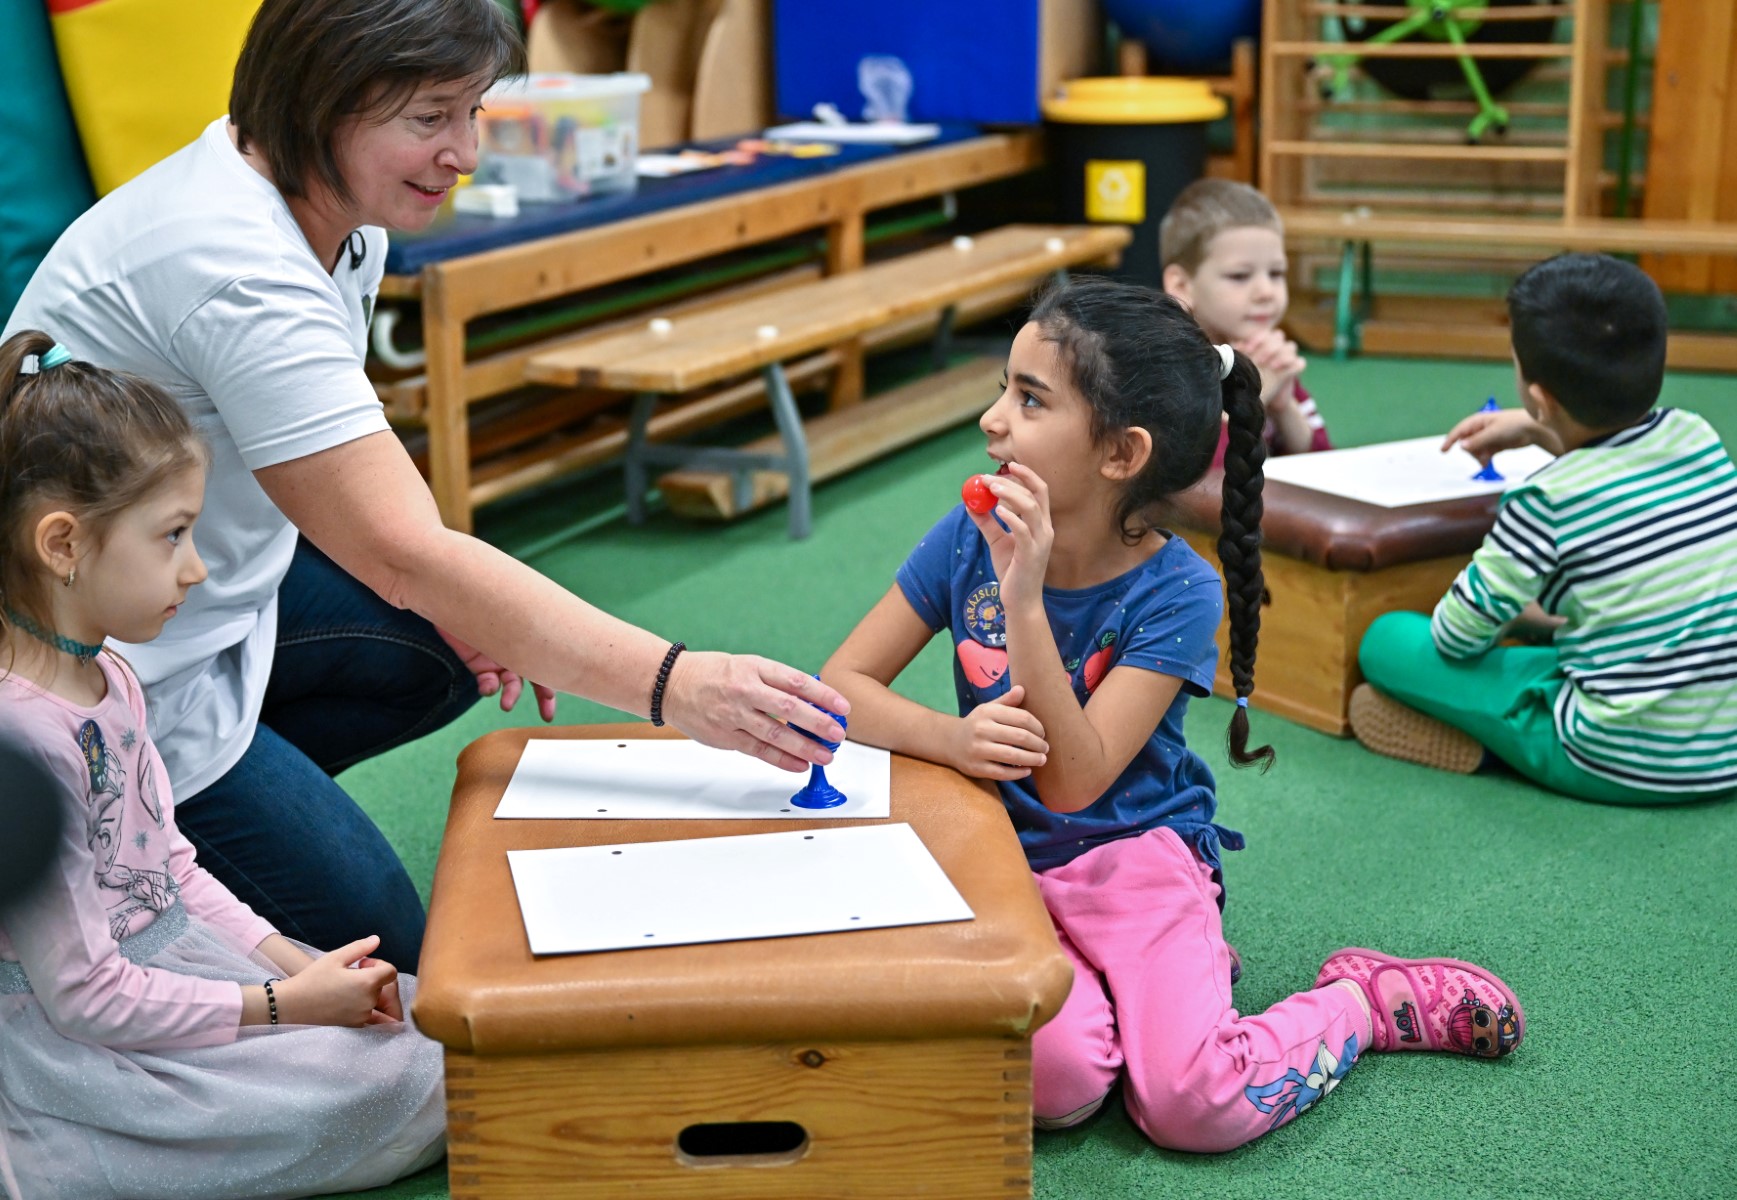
{"type": "Point", "coordinates": [364, 505]}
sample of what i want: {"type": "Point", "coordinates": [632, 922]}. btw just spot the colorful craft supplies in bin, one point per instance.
{"type": "Point", "coordinates": [555, 136]}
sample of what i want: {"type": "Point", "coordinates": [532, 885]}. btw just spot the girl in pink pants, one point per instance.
{"type": "Point", "coordinates": [1080, 629]}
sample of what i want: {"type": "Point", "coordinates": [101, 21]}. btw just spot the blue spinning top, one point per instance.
{"type": "Point", "coordinates": [1489, 474]}
{"type": "Point", "coordinates": [817, 792]}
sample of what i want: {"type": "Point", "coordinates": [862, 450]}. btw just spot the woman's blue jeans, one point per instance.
{"type": "Point", "coordinates": [352, 677]}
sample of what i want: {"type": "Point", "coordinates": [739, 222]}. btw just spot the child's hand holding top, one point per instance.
{"type": "Point", "coordinates": [1484, 435]}
{"type": "Point", "coordinates": [999, 739]}
{"type": "Point", "coordinates": [1021, 550]}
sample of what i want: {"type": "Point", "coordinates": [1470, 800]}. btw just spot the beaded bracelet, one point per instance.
{"type": "Point", "coordinates": [271, 999]}
{"type": "Point", "coordinates": [657, 688]}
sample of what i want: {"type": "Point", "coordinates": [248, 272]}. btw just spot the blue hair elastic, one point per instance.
{"type": "Point", "coordinates": [1242, 701]}
{"type": "Point", "coordinates": [52, 357]}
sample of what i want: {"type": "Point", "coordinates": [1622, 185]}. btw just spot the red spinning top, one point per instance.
{"type": "Point", "coordinates": [977, 496]}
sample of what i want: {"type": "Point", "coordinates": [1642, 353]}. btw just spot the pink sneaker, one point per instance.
{"type": "Point", "coordinates": [1431, 1003]}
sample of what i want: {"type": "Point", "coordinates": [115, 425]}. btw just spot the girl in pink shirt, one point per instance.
{"type": "Point", "coordinates": [157, 1038]}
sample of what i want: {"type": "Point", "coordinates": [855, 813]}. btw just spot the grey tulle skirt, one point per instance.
{"type": "Point", "coordinates": [295, 1110]}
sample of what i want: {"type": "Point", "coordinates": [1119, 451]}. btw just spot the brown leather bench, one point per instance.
{"type": "Point", "coordinates": [1332, 566]}
{"type": "Point", "coordinates": [881, 1063]}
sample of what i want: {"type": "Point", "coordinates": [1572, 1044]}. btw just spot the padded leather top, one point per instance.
{"type": "Point", "coordinates": [1341, 534]}
{"type": "Point", "coordinates": [481, 990]}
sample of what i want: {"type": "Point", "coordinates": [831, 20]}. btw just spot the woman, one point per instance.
{"type": "Point", "coordinates": [341, 618]}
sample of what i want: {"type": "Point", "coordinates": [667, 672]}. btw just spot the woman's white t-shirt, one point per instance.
{"type": "Point", "coordinates": [196, 276]}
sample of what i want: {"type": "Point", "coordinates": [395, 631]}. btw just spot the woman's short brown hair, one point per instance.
{"type": "Point", "coordinates": [309, 65]}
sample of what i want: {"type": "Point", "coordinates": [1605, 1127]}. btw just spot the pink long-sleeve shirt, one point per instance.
{"type": "Point", "coordinates": [122, 862]}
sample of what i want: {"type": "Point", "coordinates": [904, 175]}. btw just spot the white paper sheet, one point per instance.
{"type": "Point", "coordinates": [662, 166]}
{"type": "Point", "coordinates": [1397, 474]}
{"type": "Point", "coordinates": [582, 899]}
{"type": "Point", "coordinates": [652, 779]}
{"type": "Point", "coordinates": [886, 133]}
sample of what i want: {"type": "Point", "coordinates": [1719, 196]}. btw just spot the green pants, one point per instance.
{"type": "Point", "coordinates": [1505, 699]}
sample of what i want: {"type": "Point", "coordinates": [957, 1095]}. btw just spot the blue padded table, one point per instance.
{"type": "Point", "coordinates": [465, 267]}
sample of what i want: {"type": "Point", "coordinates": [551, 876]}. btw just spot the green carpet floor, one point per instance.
{"type": "Point", "coordinates": [1610, 923]}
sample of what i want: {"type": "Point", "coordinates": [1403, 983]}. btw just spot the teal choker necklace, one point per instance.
{"type": "Point", "coordinates": [83, 651]}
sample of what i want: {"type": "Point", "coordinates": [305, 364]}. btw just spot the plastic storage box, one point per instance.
{"type": "Point", "coordinates": [561, 137]}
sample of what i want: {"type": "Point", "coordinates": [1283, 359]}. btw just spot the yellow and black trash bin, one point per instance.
{"type": "Point", "coordinates": [1124, 148]}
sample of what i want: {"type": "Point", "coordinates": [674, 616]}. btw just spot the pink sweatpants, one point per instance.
{"type": "Point", "coordinates": [1151, 996]}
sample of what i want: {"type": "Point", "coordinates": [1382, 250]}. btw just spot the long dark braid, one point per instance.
{"type": "Point", "coordinates": [1239, 544]}
{"type": "Point", "coordinates": [1138, 357]}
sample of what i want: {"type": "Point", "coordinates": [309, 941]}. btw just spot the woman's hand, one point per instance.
{"type": "Point", "coordinates": [742, 702]}
{"type": "Point", "coordinates": [491, 677]}
{"type": "Point", "coordinates": [1484, 434]}
{"type": "Point", "coordinates": [345, 987]}
{"type": "Point", "coordinates": [999, 739]}
{"type": "Point", "coordinates": [1021, 551]}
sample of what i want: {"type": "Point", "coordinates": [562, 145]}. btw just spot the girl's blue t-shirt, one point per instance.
{"type": "Point", "coordinates": [1160, 616]}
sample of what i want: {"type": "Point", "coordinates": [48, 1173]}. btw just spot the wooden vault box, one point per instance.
{"type": "Point", "coordinates": [1332, 565]}
{"type": "Point", "coordinates": [881, 1063]}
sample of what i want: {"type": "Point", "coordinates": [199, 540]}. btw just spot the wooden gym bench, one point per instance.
{"type": "Point", "coordinates": [1358, 229]}
{"type": "Point", "coordinates": [762, 333]}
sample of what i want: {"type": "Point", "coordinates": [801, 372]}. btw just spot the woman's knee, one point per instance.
{"type": "Point", "coordinates": [438, 673]}
{"type": "Point", "coordinates": [392, 912]}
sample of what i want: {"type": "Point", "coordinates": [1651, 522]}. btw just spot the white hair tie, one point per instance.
{"type": "Point", "coordinates": [1226, 357]}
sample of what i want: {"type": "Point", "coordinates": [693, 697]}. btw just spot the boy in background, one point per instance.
{"type": "Point", "coordinates": [1621, 555]}
{"type": "Point", "coordinates": [1223, 247]}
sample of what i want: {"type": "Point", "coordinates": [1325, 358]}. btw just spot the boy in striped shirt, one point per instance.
{"type": "Point", "coordinates": [1620, 557]}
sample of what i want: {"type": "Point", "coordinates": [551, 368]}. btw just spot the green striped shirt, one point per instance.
{"type": "Point", "coordinates": [1633, 540]}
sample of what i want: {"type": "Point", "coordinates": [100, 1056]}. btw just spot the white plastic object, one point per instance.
{"type": "Point", "coordinates": [487, 200]}
{"type": "Point", "coordinates": [661, 326]}
{"type": "Point", "coordinates": [885, 83]}
{"type": "Point", "coordinates": [962, 243]}
{"type": "Point", "coordinates": [766, 332]}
